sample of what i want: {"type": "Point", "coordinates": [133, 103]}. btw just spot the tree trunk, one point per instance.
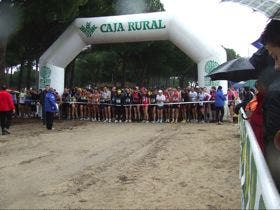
{"type": "Point", "coordinates": [3, 46]}
{"type": "Point", "coordinates": [11, 77]}
{"type": "Point", "coordinates": [37, 73]}
{"type": "Point", "coordinates": [123, 80]}
{"type": "Point", "coordinates": [28, 75]}
{"type": "Point", "coordinates": [20, 75]}
{"type": "Point", "coordinates": [181, 80]}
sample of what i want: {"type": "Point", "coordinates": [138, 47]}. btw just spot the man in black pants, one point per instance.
{"type": "Point", "coordinates": [50, 108]}
{"type": "Point", "coordinates": [219, 105]}
{"type": "Point", "coordinates": [6, 108]}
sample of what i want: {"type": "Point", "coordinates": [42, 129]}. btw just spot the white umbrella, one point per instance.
{"type": "Point", "coordinates": [271, 8]}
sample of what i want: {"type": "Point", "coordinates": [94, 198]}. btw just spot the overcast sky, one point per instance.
{"type": "Point", "coordinates": [229, 24]}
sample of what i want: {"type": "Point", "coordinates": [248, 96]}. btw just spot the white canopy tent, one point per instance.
{"type": "Point", "coordinates": [129, 28]}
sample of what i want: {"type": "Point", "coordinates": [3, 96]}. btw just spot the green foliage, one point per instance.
{"type": "Point", "coordinates": [135, 63]}
{"type": "Point", "coordinates": [42, 22]}
{"type": "Point", "coordinates": [231, 54]}
{"type": "Point", "coordinates": [13, 79]}
{"type": "Point", "coordinates": [10, 18]}
{"type": "Point", "coordinates": [137, 6]}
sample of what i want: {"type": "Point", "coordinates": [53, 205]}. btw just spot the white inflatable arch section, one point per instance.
{"type": "Point", "coordinates": [129, 28]}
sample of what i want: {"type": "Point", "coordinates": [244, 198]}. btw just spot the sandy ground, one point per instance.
{"type": "Point", "coordinates": [91, 165]}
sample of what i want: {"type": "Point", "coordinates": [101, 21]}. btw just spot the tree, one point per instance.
{"type": "Point", "coordinates": [231, 54]}
{"type": "Point", "coordinates": [42, 23]}
{"type": "Point", "coordinates": [9, 19]}
{"type": "Point", "coordinates": [123, 53]}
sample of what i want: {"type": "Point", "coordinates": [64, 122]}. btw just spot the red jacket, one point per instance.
{"type": "Point", "coordinates": [256, 121]}
{"type": "Point", "coordinates": [6, 101]}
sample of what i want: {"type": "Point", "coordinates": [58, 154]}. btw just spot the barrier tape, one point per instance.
{"type": "Point", "coordinates": [110, 104]}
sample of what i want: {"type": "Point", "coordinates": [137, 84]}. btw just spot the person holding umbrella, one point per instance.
{"type": "Point", "coordinates": [271, 105]}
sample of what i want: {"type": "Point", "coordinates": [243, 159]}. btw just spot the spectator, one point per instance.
{"type": "Point", "coordinates": [246, 97]}
{"type": "Point", "coordinates": [256, 117]}
{"type": "Point", "coordinates": [15, 100]}
{"type": "Point", "coordinates": [50, 108]}
{"type": "Point", "coordinates": [219, 105]}
{"type": "Point", "coordinates": [6, 108]}
{"type": "Point", "coordinates": [231, 102]}
{"type": "Point", "coordinates": [271, 106]}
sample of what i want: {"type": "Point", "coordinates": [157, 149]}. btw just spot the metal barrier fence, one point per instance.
{"type": "Point", "coordinates": [258, 188]}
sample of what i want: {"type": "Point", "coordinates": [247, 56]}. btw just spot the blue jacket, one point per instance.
{"type": "Point", "coordinates": [50, 102]}
{"type": "Point", "coordinates": [220, 99]}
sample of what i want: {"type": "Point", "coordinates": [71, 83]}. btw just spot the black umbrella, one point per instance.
{"type": "Point", "coordinates": [239, 69]}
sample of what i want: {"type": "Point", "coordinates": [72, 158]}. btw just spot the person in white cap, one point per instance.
{"type": "Point", "coordinates": [160, 105]}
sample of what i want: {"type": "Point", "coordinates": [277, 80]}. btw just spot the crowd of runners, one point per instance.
{"type": "Point", "coordinates": [170, 105]}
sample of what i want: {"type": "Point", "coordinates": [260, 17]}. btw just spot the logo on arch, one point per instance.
{"type": "Point", "coordinates": [88, 29]}
{"type": "Point", "coordinates": [210, 66]}
{"type": "Point", "coordinates": [45, 74]}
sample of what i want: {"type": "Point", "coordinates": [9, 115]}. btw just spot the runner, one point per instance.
{"type": "Point", "coordinates": [193, 99]}
{"type": "Point", "coordinates": [167, 106]}
{"type": "Point", "coordinates": [22, 97]}
{"type": "Point", "coordinates": [153, 101]}
{"type": "Point", "coordinates": [212, 105]}
{"type": "Point", "coordinates": [136, 98]}
{"type": "Point", "coordinates": [78, 96]}
{"type": "Point", "coordinates": [118, 106]}
{"type": "Point", "coordinates": [73, 105]}
{"type": "Point", "coordinates": [175, 98]}
{"type": "Point", "coordinates": [207, 106]}
{"type": "Point", "coordinates": [185, 107]}
{"type": "Point", "coordinates": [90, 105]}
{"type": "Point", "coordinates": [65, 104]}
{"type": "Point", "coordinates": [160, 105]}
{"type": "Point", "coordinates": [96, 104]}
{"type": "Point", "coordinates": [128, 102]}
{"type": "Point", "coordinates": [201, 106]}
{"type": "Point", "coordinates": [58, 100]}
{"type": "Point", "coordinates": [106, 99]}
{"type": "Point", "coordinates": [113, 101]}
{"type": "Point", "coordinates": [145, 101]}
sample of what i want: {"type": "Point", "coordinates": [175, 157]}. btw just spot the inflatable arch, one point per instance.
{"type": "Point", "coordinates": [129, 28]}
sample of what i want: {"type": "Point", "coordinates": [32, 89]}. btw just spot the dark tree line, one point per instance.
{"type": "Point", "coordinates": [29, 27]}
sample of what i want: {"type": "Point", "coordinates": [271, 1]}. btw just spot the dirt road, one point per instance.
{"type": "Point", "coordinates": [90, 165]}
